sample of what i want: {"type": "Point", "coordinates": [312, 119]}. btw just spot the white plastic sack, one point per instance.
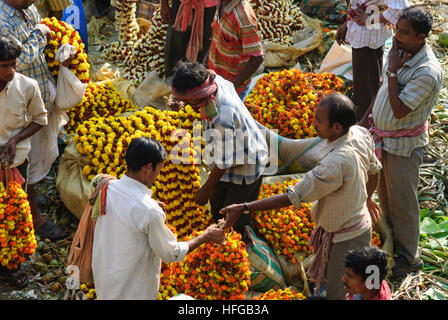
{"type": "Point", "coordinates": [338, 61]}
{"type": "Point", "coordinates": [151, 92]}
{"type": "Point", "coordinates": [70, 90]}
{"type": "Point", "coordinates": [44, 146]}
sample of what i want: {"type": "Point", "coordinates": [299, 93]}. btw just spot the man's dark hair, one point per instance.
{"type": "Point", "coordinates": [360, 259]}
{"type": "Point", "coordinates": [142, 151]}
{"type": "Point", "coordinates": [419, 18]}
{"type": "Point", "coordinates": [10, 49]}
{"type": "Point", "coordinates": [340, 109]}
{"type": "Point", "coordinates": [188, 75]}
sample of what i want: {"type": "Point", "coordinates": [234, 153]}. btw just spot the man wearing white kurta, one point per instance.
{"type": "Point", "coordinates": [131, 239]}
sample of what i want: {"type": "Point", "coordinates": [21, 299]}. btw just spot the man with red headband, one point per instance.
{"type": "Point", "coordinates": [235, 148]}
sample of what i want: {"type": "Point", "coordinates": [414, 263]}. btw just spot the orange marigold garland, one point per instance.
{"type": "Point", "coordinates": [376, 239]}
{"type": "Point", "coordinates": [281, 294]}
{"type": "Point", "coordinates": [286, 100]}
{"type": "Point", "coordinates": [16, 226]}
{"type": "Point", "coordinates": [287, 230]}
{"type": "Point", "coordinates": [210, 272]}
{"type": "Point", "coordinates": [65, 33]}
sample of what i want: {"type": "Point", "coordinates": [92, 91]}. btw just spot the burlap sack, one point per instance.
{"type": "Point", "coordinates": [305, 40]}
{"type": "Point", "coordinates": [71, 184]}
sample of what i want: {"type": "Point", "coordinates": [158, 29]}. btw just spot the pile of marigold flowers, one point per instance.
{"type": "Point", "coordinates": [286, 100]}
{"type": "Point", "coordinates": [286, 230]}
{"type": "Point", "coordinates": [100, 100]}
{"type": "Point", "coordinates": [281, 294]}
{"type": "Point", "coordinates": [65, 33]}
{"type": "Point", "coordinates": [210, 272]}
{"type": "Point", "coordinates": [89, 290]}
{"type": "Point", "coordinates": [16, 226]}
{"type": "Point", "coordinates": [104, 142]}
{"type": "Point", "coordinates": [376, 239]}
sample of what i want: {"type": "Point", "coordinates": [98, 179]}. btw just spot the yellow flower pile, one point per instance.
{"type": "Point", "coordinates": [16, 226]}
{"type": "Point", "coordinates": [104, 142]}
{"type": "Point", "coordinates": [65, 33]}
{"type": "Point", "coordinates": [281, 294]}
{"type": "Point", "coordinates": [100, 100]}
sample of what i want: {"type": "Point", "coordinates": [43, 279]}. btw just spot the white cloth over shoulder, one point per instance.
{"type": "Point", "coordinates": [130, 242]}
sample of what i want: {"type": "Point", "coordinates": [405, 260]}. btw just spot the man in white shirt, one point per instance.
{"type": "Point", "coordinates": [342, 184]}
{"type": "Point", "coordinates": [22, 114]}
{"type": "Point", "coordinates": [131, 239]}
{"type": "Point", "coordinates": [369, 24]}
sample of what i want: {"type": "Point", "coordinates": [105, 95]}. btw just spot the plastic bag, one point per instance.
{"type": "Point", "coordinates": [338, 61]}
{"type": "Point", "coordinates": [70, 90]}
{"type": "Point", "coordinates": [44, 146]}
{"type": "Point", "coordinates": [305, 40]}
{"type": "Point", "coordinates": [151, 92]}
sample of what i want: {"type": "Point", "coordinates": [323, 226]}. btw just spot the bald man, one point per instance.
{"type": "Point", "coordinates": [342, 183]}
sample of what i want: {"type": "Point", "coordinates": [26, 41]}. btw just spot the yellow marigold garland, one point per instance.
{"type": "Point", "coordinates": [65, 33]}
{"type": "Point", "coordinates": [16, 226]}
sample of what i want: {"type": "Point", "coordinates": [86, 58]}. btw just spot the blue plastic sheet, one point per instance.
{"type": "Point", "coordinates": [74, 15]}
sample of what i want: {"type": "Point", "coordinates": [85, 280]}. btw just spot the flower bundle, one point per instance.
{"type": "Point", "coordinates": [100, 100]}
{"type": "Point", "coordinates": [65, 33]}
{"type": "Point", "coordinates": [376, 239]}
{"type": "Point", "coordinates": [281, 294]}
{"type": "Point", "coordinates": [286, 100]}
{"type": "Point", "coordinates": [278, 20]}
{"type": "Point", "coordinates": [104, 141]}
{"type": "Point", "coordinates": [286, 230]}
{"type": "Point", "coordinates": [16, 226]}
{"type": "Point", "coordinates": [125, 20]}
{"type": "Point", "coordinates": [147, 54]}
{"type": "Point", "coordinates": [212, 271]}
{"type": "Point", "coordinates": [89, 290]}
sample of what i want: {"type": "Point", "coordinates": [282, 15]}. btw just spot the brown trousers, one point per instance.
{"type": "Point", "coordinates": [335, 265]}
{"type": "Point", "coordinates": [227, 193]}
{"type": "Point", "coordinates": [367, 65]}
{"type": "Point", "coordinates": [177, 41]}
{"type": "Point", "coordinates": [397, 192]}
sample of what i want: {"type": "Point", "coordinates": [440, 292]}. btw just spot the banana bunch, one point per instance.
{"type": "Point", "coordinates": [278, 20]}
{"type": "Point", "coordinates": [65, 33]}
{"type": "Point", "coordinates": [148, 52]}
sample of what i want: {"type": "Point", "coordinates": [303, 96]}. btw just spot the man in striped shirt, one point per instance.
{"type": "Point", "coordinates": [20, 20]}
{"type": "Point", "coordinates": [236, 50]}
{"type": "Point", "coordinates": [368, 26]}
{"type": "Point", "coordinates": [400, 113]}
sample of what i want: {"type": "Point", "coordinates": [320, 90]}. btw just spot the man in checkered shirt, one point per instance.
{"type": "Point", "coordinates": [235, 149]}
{"type": "Point", "coordinates": [20, 20]}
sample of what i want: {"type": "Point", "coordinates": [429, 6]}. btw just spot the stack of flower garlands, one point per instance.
{"type": "Point", "coordinates": [104, 142]}
{"type": "Point", "coordinates": [100, 100]}
{"type": "Point", "coordinates": [281, 294]}
{"type": "Point", "coordinates": [147, 54]}
{"type": "Point", "coordinates": [278, 20]}
{"type": "Point", "coordinates": [286, 230]}
{"type": "Point", "coordinates": [65, 33]}
{"type": "Point", "coordinates": [286, 100]}
{"type": "Point", "coordinates": [16, 226]}
{"type": "Point", "coordinates": [210, 272]}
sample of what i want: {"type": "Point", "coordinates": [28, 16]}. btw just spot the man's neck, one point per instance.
{"type": "Point", "coordinates": [416, 50]}
{"type": "Point", "coordinates": [369, 294]}
{"type": "Point", "coordinates": [3, 85]}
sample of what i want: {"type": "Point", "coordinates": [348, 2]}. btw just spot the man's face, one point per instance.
{"type": "Point", "coordinates": [7, 70]}
{"type": "Point", "coordinates": [322, 123]}
{"type": "Point", "coordinates": [407, 38]}
{"type": "Point", "coordinates": [151, 174]}
{"type": "Point", "coordinates": [353, 282]}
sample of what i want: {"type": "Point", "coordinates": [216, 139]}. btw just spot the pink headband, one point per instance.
{"type": "Point", "coordinates": [207, 89]}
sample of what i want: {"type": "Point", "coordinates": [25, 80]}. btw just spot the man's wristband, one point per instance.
{"type": "Point", "coordinates": [390, 74]}
{"type": "Point", "coordinates": [246, 208]}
